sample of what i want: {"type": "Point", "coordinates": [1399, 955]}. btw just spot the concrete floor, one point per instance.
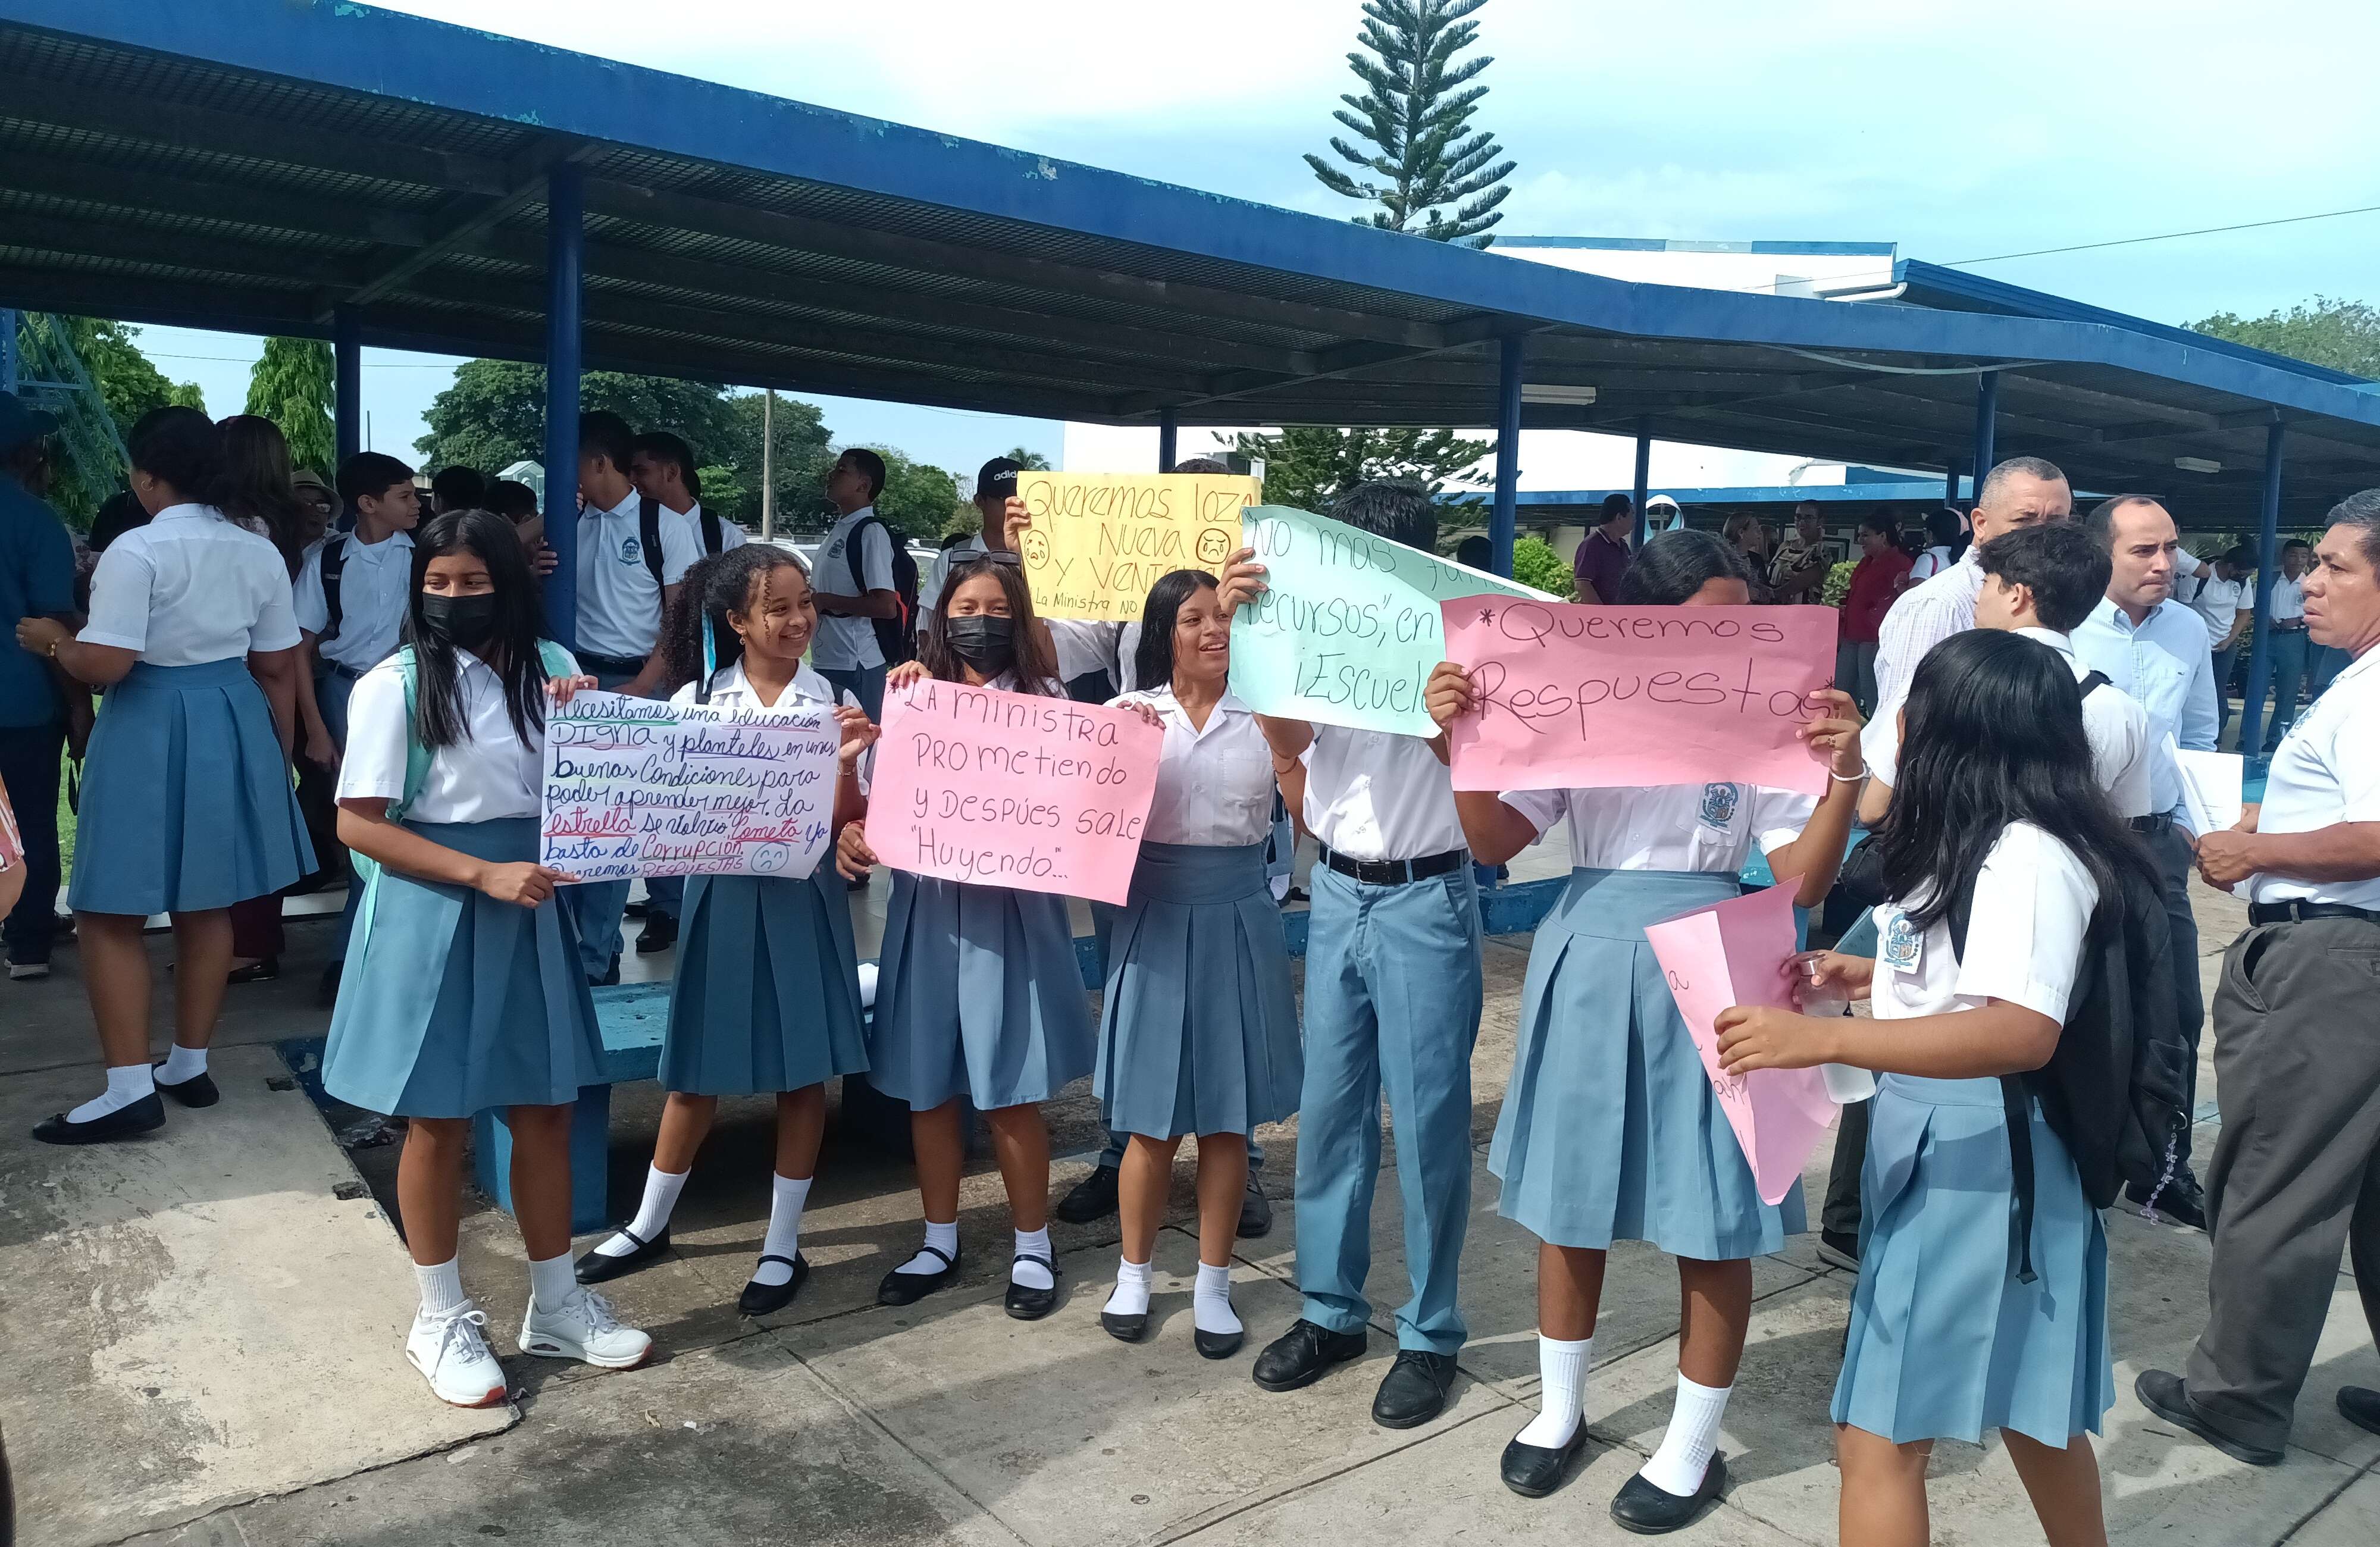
{"type": "Point", "coordinates": [199, 1343]}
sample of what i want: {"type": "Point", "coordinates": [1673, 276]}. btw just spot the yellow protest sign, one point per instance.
{"type": "Point", "coordinates": [1099, 541]}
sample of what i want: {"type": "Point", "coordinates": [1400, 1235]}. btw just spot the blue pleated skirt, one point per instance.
{"type": "Point", "coordinates": [1198, 1032]}
{"type": "Point", "coordinates": [1945, 1342]}
{"type": "Point", "coordinates": [1610, 1131]}
{"type": "Point", "coordinates": [186, 803]}
{"type": "Point", "coordinates": [979, 994]}
{"type": "Point", "coordinates": [767, 995]}
{"type": "Point", "coordinates": [452, 1003]}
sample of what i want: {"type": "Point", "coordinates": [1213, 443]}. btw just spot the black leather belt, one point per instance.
{"type": "Point", "coordinates": [608, 665]}
{"type": "Point", "coordinates": [2299, 911]}
{"type": "Point", "coordinates": [340, 668]}
{"type": "Point", "coordinates": [2156, 824]}
{"type": "Point", "coordinates": [1394, 872]}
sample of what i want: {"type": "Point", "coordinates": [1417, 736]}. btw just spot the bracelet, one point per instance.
{"type": "Point", "coordinates": [1847, 778]}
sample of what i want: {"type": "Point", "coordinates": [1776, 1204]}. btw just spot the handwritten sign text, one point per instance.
{"type": "Point", "coordinates": [1100, 542]}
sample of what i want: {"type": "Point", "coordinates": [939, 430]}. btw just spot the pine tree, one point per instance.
{"type": "Point", "coordinates": [291, 386]}
{"type": "Point", "coordinates": [1415, 115]}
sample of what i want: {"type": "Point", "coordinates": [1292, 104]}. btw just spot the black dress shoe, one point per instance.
{"type": "Point", "coordinates": [141, 1116]}
{"type": "Point", "coordinates": [1025, 1303]}
{"type": "Point", "coordinates": [1255, 1210]}
{"type": "Point", "coordinates": [259, 971]}
{"type": "Point", "coordinates": [1092, 1198]}
{"type": "Point", "coordinates": [2361, 1407]}
{"type": "Point", "coordinates": [1413, 1391]}
{"type": "Point", "coordinates": [1305, 1354]}
{"type": "Point", "coordinates": [197, 1090]}
{"type": "Point", "coordinates": [658, 935]}
{"type": "Point", "coordinates": [608, 978]}
{"type": "Point", "coordinates": [1648, 1511]}
{"type": "Point", "coordinates": [597, 1268]}
{"type": "Point", "coordinates": [2181, 1200]}
{"type": "Point", "coordinates": [2168, 1396]}
{"type": "Point", "coordinates": [1534, 1471]}
{"type": "Point", "coordinates": [759, 1299]}
{"type": "Point", "coordinates": [900, 1288]}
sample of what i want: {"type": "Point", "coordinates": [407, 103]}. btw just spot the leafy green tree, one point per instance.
{"type": "Point", "coordinates": [1307, 466]}
{"type": "Point", "coordinates": [2342, 335]}
{"type": "Point", "coordinates": [494, 414]}
{"type": "Point", "coordinates": [291, 384]}
{"type": "Point", "coordinates": [129, 385]}
{"type": "Point", "coordinates": [802, 457]}
{"type": "Point", "coordinates": [919, 499]}
{"type": "Point", "coordinates": [1535, 563]}
{"type": "Point", "coordinates": [1031, 461]}
{"type": "Point", "coordinates": [1415, 118]}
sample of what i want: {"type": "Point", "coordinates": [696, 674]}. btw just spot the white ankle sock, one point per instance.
{"type": "Point", "coordinates": [441, 1286]}
{"type": "Point", "coordinates": [785, 1237]}
{"type": "Point", "coordinates": [551, 1282]}
{"type": "Point", "coordinates": [183, 1063]}
{"type": "Point", "coordinates": [125, 1085]}
{"type": "Point", "coordinates": [1561, 1392]}
{"type": "Point", "coordinates": [1678, 1466]}
{"type": "Point", "coordinates": [653, 1215]}
{"type": "Point", "coordinates": [1131, 1297]}
{"type": "Point", "coordinates": [1032, 1276]}
{"type": "Point", "coordinates": [943, 1238]}
{"type": "Point", "coordinates": [1211, 1304]}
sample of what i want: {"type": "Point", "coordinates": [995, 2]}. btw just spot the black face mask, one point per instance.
{"type": "Point", "coordinates": [465, 622]}
{"type": "Point", "coordinates": [983, 641]}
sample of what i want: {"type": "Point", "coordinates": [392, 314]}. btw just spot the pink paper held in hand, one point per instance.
{"type": "Point", "coordinates": [1591, 698]}
{"type": "Point", "coordinates": [1734, 953]}
{"type": "Point", "coordinates": [1012, 789]}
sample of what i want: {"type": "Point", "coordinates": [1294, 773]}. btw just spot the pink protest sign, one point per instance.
{"type": "Point", "coordinates": [1011, 789]}
{"type": "Point", "coordinates": [1584, 697]}
{"type": "Point", "coordinates": [1734, 953]}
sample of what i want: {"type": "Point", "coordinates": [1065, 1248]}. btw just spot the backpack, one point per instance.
{"type": "Point", "coordinates": [648, 535]}
{"type": "Point", "coordinates": [334, 563]}
{"type": "Point", "coordinates": [896, 637]}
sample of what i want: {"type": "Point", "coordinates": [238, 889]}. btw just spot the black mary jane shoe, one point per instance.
{"type": "Point", "coordinates": [260, 971]}
{"type": "Point", "coordinates": [141, 1116]}
{"type": "Point", "coordinates": [1649, 1511]}
{"type": "Point", "coordinates": [1217, 1345]}
{"type": "Point", "coordinates": [1025, 1303]}
{"type": "Point", "coordinates": [596, 1268]}
{"type": "Point", "coordinates": [1303, 1355]}
{"type": "Point", "coordinates": [900, 1288]}
{"type": "Point", "coordinates": [759, 1299]}
{"type": "Point", "coordinates": [1534, 1471]}
{"type": "Point", "coordinates": [1125, 1329]}
{"type": "Point", "coordinates": [197, 1090]}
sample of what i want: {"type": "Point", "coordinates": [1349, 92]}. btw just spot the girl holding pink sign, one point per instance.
{"type": "Point", "coordinates": [1610, 1130]}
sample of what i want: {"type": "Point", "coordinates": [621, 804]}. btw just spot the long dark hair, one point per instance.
{"type": "Point", "coordinates": [183, 449]}
{"type": "Point", "coordinates": [1670, 567]}
{"type": "Point", "coordinates": [1152, 660]}
{"type": "Point", "coordinates": [257, 491]}
{"type": "Point", "coordinates": [1036, 661]}
{"type": "Point", "coordinates": [512, 650]}
{"type": "Point", "coordinates": [1994, 735]}
{"type": "Point", "coordinates": [1944, 530]}
{"type": "Point", "coordinates": [714, 587]}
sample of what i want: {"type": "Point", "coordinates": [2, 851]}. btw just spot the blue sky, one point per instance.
{"type": "Point", "coordinates": [1961, 138]}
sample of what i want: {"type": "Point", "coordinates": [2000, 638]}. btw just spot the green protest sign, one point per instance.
{"type": "Point", "coordinates": [1346, 632]}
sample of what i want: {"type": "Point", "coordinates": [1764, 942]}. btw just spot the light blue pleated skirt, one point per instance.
{"type": "Point", "coordinates": [452, 1003]}
{"type": "Point", "coordinates": [186, 803]}
{"type": "Point", "coordinates": [978, 995]}
{"type": "Point", "coordinates": [767, 995]}
{"type": "Point", "coordinates": [1610, 1131]}
{"type": "Point", "coordinates": [1198, 1032]}
{"type": "Point", "coordinates": [1945, 1342]}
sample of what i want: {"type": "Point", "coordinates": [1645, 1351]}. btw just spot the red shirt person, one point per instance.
{"type": "Point", "coordinates": [1876, 582]}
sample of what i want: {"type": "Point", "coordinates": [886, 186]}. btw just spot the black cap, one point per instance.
{"type": "Point", "coordinates": [998, 477]}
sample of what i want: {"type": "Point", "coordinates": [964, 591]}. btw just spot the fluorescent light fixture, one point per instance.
{"type": "Point", "coordinates": [2197, 465]}
{"type": "Point", "coordinates": [1549, 392]}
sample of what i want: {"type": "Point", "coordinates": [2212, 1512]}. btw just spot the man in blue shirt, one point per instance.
{"type": "Point", "coordinates": [36, 581]}
{"type": "Point", "coordinates": [2155, 648]}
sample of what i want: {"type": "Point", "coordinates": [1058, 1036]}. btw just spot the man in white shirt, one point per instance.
{"type": "Point", "coordinates": [2296, 1172]}
{"type": "Point", "coordinates": [2286, 639]}
{"type": "Point", "coordinates": [2155, 648]}
{"type": "Point", "coordinates": [2219, 592]}
{"type": "Point", "coordinates": [852, 581]}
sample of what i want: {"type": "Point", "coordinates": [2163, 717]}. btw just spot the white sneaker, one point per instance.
{"type": "Point", "coordinates": [584, 1328]}
{"type": "Point", "coordinates": [451, 1350]}
{"type": "Point", "coordinates": [20, 970]}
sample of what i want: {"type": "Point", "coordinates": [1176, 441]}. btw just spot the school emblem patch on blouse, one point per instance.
{"type": "Point", "coordinates": [629, 551]}
{"type": "Point", "coordinates": [1900, 943]}
{"type": "Point", "coordinates": [1718, 804]}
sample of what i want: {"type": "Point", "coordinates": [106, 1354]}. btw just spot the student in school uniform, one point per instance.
{"type": "Point", "coordinates": [1949, 1338]}
{"type": "Point", "coordinates": [462, 992]}
{"type": "Point", "coordinates": [186, 806]}
{"type": "Point", "coordinates": [1610, 1131]}
{"type": "Point", "coordinates": [765, 999]}
{"type": "Point", "coordinates": [1199, 1030]}
{"type": "Point", "coordinates": [979, 994]}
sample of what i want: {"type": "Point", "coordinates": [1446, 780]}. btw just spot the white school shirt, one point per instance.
{"type": "Point", "coordinates": [1924, 616]}
{"type": "Point", "coordinates": [730, 689]}
{"type": "Point", "coordinates": [489, 774]}
{"type": "Point", "coordinates": [373, 584]}
{"type": "Point", "coordinates": [2118, 729]}
{"type": "Point", "coordinates": [1668, 827]}
{"type": "Point", "coordinates": [2327, 772]}
{"type": "Point", "coordinates": [1373, 796]}
{"type": "Point", "coordinates": [619, 605]}
{"type": "Point", "coordinates": [2025, 942]}
{"type": "Point", "coordinates": [2216, 602]}
{"type": "Point", "coordinates": [2288, 600]}
{"type": "Point", "coordinates": [1930, 563]}
{"type": "Point", "coordinates": [2163, 662]}
{"type": "Point", "coordinates": [1215, 785]}
{"type": "Point", "coordinates": [731, 536]}
{"type": "Point", "coordinates": [190, 588]}
{"type": "Point", "coordinates": [844, 644]}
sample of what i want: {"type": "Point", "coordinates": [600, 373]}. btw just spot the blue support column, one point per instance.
{"type": "Point", "coordinates": [1952, 473]}
{"type": "Point", "coordinates": [1644, 473]}
{"type": "Point", "coordinates": [1987, 415]}
{"type": "Point", "coordinates": [566, 252]}
{"type": "Point", "coordinates": [347, 380]}
{"type": "Point", "coordinates": [8, 352]}
{"type": "Point", "coordinates": [1168, 437]}
{"type": "Point", "coordinates": [1506, 518]}
{"type": "Point", "coordinates": [2269, 568]}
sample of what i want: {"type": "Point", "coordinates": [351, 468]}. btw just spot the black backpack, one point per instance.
{"type": "Point", "coordinates": [648, 535]}
{"type": "Point", "coordinates": [898, 636]}
{"type": "Point", "coordinates": [334, 563]}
